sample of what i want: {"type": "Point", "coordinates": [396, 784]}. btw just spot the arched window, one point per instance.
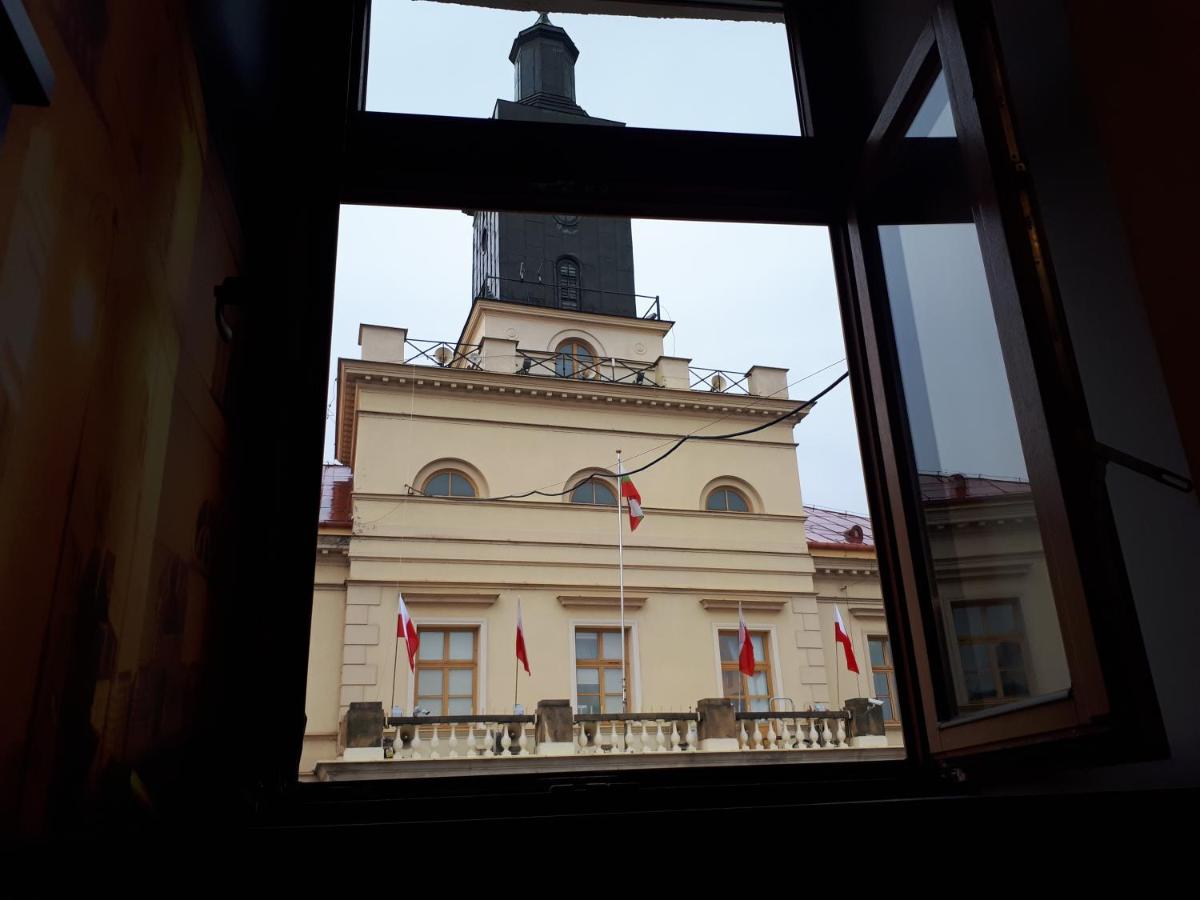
{"type": "Point", "coordinates": [594, 491]}
{"type": "Point", "coordinates": [448, 483]}
{"type": "Point", "coordinates": [574, 359]}
{"type": "Point", "coordinates": [726, 499]}
{"type": "Point", "coordinates": [568, 283]}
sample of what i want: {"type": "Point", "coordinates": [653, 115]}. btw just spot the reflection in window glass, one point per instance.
{"type": "Point", "coordinates": [976, 496]}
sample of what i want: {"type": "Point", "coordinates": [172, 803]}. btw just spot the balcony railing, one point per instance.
{"type": "Point", "coordinates": [444, 354]}
{"type": "Point", "coordinates": [559, 365]}
{"type": "Point", "coordinates": [486, 736]}
{"type": "Point", "coordinates": [718, 381]}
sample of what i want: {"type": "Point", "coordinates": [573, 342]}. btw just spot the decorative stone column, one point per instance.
{"type": "Point", "coordinates": [718, 727]}
{"type": "Point", "coordinates": [364, 732]}
{"type": "Point", "coordinates": [553, 728]}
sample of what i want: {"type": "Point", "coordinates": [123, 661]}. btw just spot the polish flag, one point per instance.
{"type": "Point", "coordinates": [840, 635]}
{"type": "Point", "coordinates": [522, 653]}
{"type": "Point", "coordinates": [407, 630]}
{"type": "Point", "coordinates": [745, 646]}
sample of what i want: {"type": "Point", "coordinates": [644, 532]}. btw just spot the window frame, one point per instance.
{"type": "Point", "coordinates": [732, 490]}
{"type": "Point", "coordinates": [887, 669]}
{"type": "Point", "coordinates": [451, 472]}
{"type": "Point", "coordinates": [445, 664]}
{"type": "Point", "coordinates": [413, 160]}
{"type": "Point", "coordinates": [764, 665]}
{"type": "Point", "coordinates": [593, 480]}
{"type": "Point", "coordinates": [602, 663]}
{"type": "Point", "coordinates": [575, 344]}
{"type": "Point", "coordinates": [560, 286]}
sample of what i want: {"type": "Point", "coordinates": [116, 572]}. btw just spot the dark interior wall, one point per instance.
{"type": "Point", "coordinates": [156, 532]}
{"type": "Point", "coordinates": [1109, 185]}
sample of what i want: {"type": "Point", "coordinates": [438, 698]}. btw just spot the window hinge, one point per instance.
{"type": "Point", "coordinates": [1150, 470]}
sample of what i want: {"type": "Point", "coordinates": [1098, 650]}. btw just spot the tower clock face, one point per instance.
{"type": "Point", "coordinates": [567, 221]}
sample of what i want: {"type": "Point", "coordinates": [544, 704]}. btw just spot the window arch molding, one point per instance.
{"type": "Point", "coordinates": [737, 485]}
{"type": "Point", "coordinates": [576, 334]}
{"type": "Point", "coordinates": [451, 464]}
{"type": "Point", "coordinates": [605, 477]}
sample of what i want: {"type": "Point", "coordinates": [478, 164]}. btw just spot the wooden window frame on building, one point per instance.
{"type": "Point", "coordinates": [561, 356]}
{"type": "Point", "coordinates": [764, 665]}
{"type": "Point", "coordinates": [832, 177]}
{"type": "Point", "coordinates": [451, 473]}
{"type": "Point", "coordinates": [728, 489]}
{"type": "Point", "coordinates": [445, 664]}
{"type": "Point", "coordinates": [887, 669]}
{"type": "Point", "coordinates": [563, 287]}
{"type": "Point", "coordinates": [602, 663]}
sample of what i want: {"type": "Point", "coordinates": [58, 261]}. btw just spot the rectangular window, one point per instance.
{"type": "Point", "coordinates": [598, 686]}
{"type": "Point", "coordinates": [447, 671]}
{"type": "Point", "coordinates": [883, 675]}
{"type": "Point", "coordinates": [749, 693]}
{"type": "Point", "coordinates": [991, 652]}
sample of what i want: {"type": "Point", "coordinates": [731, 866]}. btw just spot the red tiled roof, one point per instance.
{"type": "Point", "coordinates": [944, 488]}
{"type": "Point", "coordinates": [337, 482]}
{"type": "Point", "coordinates": [830, 529]}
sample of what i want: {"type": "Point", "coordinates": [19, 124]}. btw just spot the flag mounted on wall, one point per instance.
{"type": "Point", "coordinates": [842, 637]}
{"type": "Point", "coordinates": [522, 653]}
{"type": "Point", "coordinates": [407, 630]}
{"type": "Point", "coordinates": [745, 646]}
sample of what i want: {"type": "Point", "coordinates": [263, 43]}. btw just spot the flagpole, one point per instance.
{"type": "Point", "coordinates": [516, 661]}
{"type": "Point", "coordinates": [621, 576]}
{"type": "Point", "coordinates": [395, 659]}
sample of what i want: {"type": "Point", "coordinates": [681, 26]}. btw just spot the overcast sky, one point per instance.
{"type": "Point", "coordinates": [741, 294]}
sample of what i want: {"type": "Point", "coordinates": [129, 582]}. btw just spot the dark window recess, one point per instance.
{"type": "Point", "coordinates": [568, 284]}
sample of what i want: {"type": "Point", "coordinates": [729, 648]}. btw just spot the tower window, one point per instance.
{"type": "Point", "coordinates": [725, 499]}
{"type": "Point", "coordinates": [568, 283]}
{"type": "Point", "coordinates": [574, 359]}
{"type": "Point", "coordinates": [594, 492]}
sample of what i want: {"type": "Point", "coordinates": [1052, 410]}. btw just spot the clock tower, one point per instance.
{"type": "Point", "coordinates": [562, 261]}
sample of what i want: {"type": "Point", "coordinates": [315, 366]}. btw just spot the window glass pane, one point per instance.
{"type": "Point", "coordinates": [429, 682]}
{"type": "Point", "coordinates": [460, 486]}
{"type": "Point", "coordinates": [735, 502]}
{"type": "Point", "coordinates": [431, 705]}
{"type": "Point", "coordinates": [729, 648]}
{"type": "Point", "coordinates": [613, 704]}
{"type": "Point", "coordinates": [759, 705]}
{"type": "Point", "coordinates": [757, 683]}
{"type": "Point", "coordinates": [462, 645]}
{"type": "Point", "coordinates": [587, 645]}
{"type": "Point", "coordinates": [976, 497]}
{"type": "Point", "coordinates": [459, 707]}
{"type": "Point", "coordinates": [587, 681]}
{"type": "Point", "coordinates": [1014, 683]}
{"type": "Point", "coordinates": [881, 685]}
{"type": "Point", "coordinates": [876, 648]}
{"type": "Point", "coordinates": [439, 485]}
{"type": "Point", "coordinates": [588, 705]}
{"type": "Point", "coordinates": [707, 73]}
{"type": "Point", "coordinates": [612, 645]}
{"type": "Point", "coordinates": [934, 118]}
{"type": "Point", "coordinates": [1000, 619]}
{"type": "Point", "coordinates": [612, 680]}
{"type": "Point", "coordinates": [1008, 655]}
{"type": "Point", "coordinates": [760, 653]}
{"type": "Point", "coordinates": [583, 494]}
{"type": "Point", "coordinates": [432, 645]}
{"type": "Point", "coordinates": [604, 494]}
{"type": "Point", "coordinates": [889, 714]}
{"type": "Point", "coordinates": [716, 501]}
{"type": "Point", "coordinates": [731, 683]}
{"type": "Point", "coordinates": [461, 682]}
